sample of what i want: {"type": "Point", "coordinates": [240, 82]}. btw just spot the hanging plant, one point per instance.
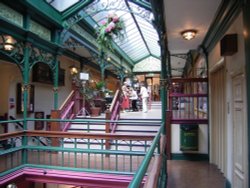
{"type": "Point", "coordinates": [113, 27]}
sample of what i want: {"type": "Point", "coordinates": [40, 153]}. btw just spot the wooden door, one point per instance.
{"type": "Point", "coordinates": [239, 133]}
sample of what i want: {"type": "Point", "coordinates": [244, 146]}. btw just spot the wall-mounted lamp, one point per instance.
{"type": "Point", "coordinates": [73, 70]}
{"type": "Point", "coordinates": [7, 42]}
{"type": "Point", "coordinates": [189, 34]}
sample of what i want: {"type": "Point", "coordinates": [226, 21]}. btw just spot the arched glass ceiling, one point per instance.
{"type": "Point", "coordinates": [141, 38]}
{"type": "Point", "coordinates": [150, 64]}
{"type": "Point", "coordinates": [62, 5]}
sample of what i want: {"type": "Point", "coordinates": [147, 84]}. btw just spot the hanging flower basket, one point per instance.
{"type": "Point", "coordinates": [113, 27]}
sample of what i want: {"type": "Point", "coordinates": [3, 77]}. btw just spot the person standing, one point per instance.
{"type": "Point", "coordinates": [144, 96]}
{"type": "Point", "coordinates": [133, 97]}
{"type": "Point", "coordinates": [125, 97]}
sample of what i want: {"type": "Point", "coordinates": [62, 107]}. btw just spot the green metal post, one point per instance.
{"type": "Point", "coordinates": [102, 65]}
{"type": "Point", "coordinates": [25, 98]}
{"type": "Point", "coordinates": [56, 74]}
{"type": "Point", "coordinates": [163, 81]}
{"type": "Point", "coordinates": [102, 71]}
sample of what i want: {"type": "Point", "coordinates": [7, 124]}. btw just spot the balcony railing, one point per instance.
{"type": "Point", "coordinates": [188, 100]}
{"type": "Point", "coordinates": [80, 152]}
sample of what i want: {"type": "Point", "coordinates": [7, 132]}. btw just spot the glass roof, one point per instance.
{"type": "Point", "coordinates": [141, 39]}
{"type": "Point", "coordinates": [61, 5]}
{"type": "Point", "coordinates": [150, 64]}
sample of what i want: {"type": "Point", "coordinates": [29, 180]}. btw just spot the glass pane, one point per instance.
{"type": "Point", "coordinates": [62, 5]}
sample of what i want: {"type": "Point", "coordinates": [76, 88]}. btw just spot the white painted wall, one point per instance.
{"type": "Point", "coordinates": [235, 64]}
{"type": "Point", "coordinates": [10, 75]}
{"type": "Point", "coordinates": [5, 78]}
{"type": "Point", "coordinates": [202, 139]}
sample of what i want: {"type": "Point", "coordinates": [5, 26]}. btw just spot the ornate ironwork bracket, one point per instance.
{"type": "Point", "coordinates": [35, 55]}
{"type": "Point", "coordinates": [55, 89]}
{"type": "Point", "coordinates": [25, 87]}
{"type": "Point", "coordinates": [38, 55]}
{"type": "Point", "coordinates": [165, 83]}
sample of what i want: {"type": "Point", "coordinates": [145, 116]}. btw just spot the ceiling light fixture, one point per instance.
{"type": "Point", "coordinates": [189, 34]}
{"type": "Point", "coordinates": [73, 70]}
{"type": "Point", "coordinates": [7, 42]}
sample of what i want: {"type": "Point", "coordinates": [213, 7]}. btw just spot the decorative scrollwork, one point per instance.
{"type": "Point", "coordinates": [38, 55]}
{"type": "Point", "coordinates": [55, 89]}
{"type": "Point", "coordinates": [165, 83]}
{"type": "Point", "coordinates": [25, 87]}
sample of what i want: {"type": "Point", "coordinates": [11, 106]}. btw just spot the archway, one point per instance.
{"type": "Point", "coordinates": [10, 76]}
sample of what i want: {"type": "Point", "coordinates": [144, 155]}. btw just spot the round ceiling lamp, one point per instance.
{"type": "Point", "coordinates": [73, 70]}
{"type": "Point", "coordinates": [7, 42]}
{"type": "Point", "coordinates": [189, 34]}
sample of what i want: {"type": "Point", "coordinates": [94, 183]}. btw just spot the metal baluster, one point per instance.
{"type": "Point", "coordinates": [130, 149]}
{"type": "Point", "coordinates": [62, 158]}
{"type": "Point", "coordinates": [102, 154]}
{"type": "Point", "coordinates": [75, 146]}
{"type": "Point", "coordinates": [88, 144]}
{"type": "Point", "coordinates": [50, 158]}
{"type": "Point", "coordinates": [68, 159]}
{"type": "Point", "coordinates": [116, 157]}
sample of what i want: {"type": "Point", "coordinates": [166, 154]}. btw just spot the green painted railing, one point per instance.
{"type": "Point", "coordinates": [79, 153]}
{"type": "Point", "coordinates": [129, 154]}
{"type": "Point", "coordinates": [141, 172]}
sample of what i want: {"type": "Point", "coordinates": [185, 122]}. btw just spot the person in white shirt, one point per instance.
{"type": "Point", "coordinates": [133, 97]}
{"type": "Point", "coordinates": [144, 96]}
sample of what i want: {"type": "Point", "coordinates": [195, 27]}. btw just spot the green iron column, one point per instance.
{"type": "Point", "coordinates": [56, 38]}
{"type": "Point", "coordinates": [25, 84]}
{"type": "Point", "coordinates": [56, 75]}
{"type": "Point", "coordinates": [163, 85]}
{"type": "Point", "coordinates": [102, 65]}
{"type": "Point", "coordinates": [25, 89]}
{"type": "Point", "coordinates": [163, 81]}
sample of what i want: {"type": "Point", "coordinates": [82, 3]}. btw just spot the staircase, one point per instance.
{"type": "Point", "coordinates": [129, 125]}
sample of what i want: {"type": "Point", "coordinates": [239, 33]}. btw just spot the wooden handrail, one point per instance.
{"type": "Point", "coordinates": [68, 110]}
{"type": "Point", "coordinates": [113, 113]}
{"type": "Point", "coordinates": [59, 134]}
{"type": "Point", "coordinates": [64, 114]}
{"type": "Point", "coordinates": [153, 176]}
{"type": "Point", "coordinates": [67, 99]}
{"type": "Point", "coordinates": [6, 136]}
{"type": "Point", "coordinates": [114, 100]}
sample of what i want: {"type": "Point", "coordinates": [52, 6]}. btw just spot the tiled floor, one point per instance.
{"type": "Point", "coordinates": [193, 174]}
{"type": "Point", "coordinates": [153, 113]}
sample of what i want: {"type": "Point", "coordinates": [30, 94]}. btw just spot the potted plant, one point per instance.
{"type": "Point", "coordinates": [100, 87]}
{"type": "Point", "coordinates": [90, 93]}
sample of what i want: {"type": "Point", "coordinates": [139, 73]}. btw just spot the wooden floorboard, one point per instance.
{"type": "Point", "coordinates": [193, 174]}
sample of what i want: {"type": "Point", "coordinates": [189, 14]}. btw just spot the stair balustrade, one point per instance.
{"type": "Point", "coordinates": [75, 158]}
{"type": "Point", "coordinates": [112, 114]}
{"type": "Point", "coordinates": [188, 100]}
{"type": "Point", "coordinates": [68, 110]}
